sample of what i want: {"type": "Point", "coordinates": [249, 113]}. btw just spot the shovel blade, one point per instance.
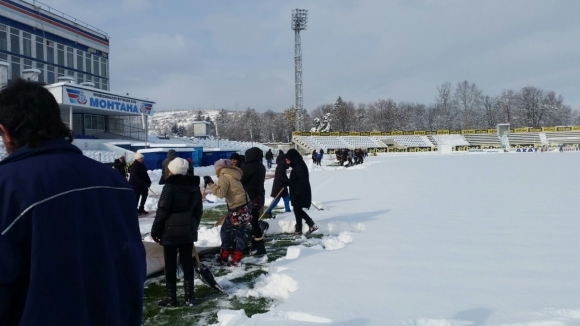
{"type": "Point", "coordinates": [206, 276]}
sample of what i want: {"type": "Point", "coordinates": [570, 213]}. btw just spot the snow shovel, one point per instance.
{"type": "Point", "coordinates": [320, 209]}
{"type": "Point", "coordinates": [206, 276]}
{"type": "Point", "coordinates": [153, 192]}
{"type": "Point", "coordinates": [278, 195]}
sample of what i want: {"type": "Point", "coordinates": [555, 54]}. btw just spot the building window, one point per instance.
{"type": "Point", "coordinates": [80, 78]}
{"type": "Point", "coordinates": [60, 72]}
{"type": "Point", "coordinates": [88, 62]}
{"type": "Point", "coordinates": [39, 48]}
{"type": "Point", "coordinates": [97, 82]}
{"type": "Point", "coordinates": [104, 85]}
{"type": "Point", "coordinates": [3, 38]}
{"type": "Point", "coordinates": [88, 78]}
{"type": "Point", "coordinates": [50, 75]}
{"type": "Point", "coordinates": [15, 40]}
{"type": "Point", "coordinates": [70, 58]}
{"type": "Point", "coordinates": [94, 122]}
{"type": "Point", "coordinates": [50, 51]}
{"type": "Point", "coordinates": [27, 44]}
{"type": "Point", "coordinates": [103, 67]}
{"type": "Point", "coordinates": [3, 57]}
{"type": "Point", "coordinates": [60, 54]}
{"type": "Point", "coordinates": [96, 65]}
{"type": "Point", "coordinates": [40, 66]}
{"type": "Point", "coordinates": [27, 64]}
{"type": "Point", "coordinates": [15, 67]}
{"type": "Point", "coordinates": [80, 61]}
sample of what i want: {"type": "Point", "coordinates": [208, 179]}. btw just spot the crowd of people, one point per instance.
{"type": "Point", "coordinates": [76, 236]}
{"type": "Point", "coordinates": [350, 156]}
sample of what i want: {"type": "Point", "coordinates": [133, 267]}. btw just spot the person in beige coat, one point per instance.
{"type": "Point", "coordinates": [230, 188]}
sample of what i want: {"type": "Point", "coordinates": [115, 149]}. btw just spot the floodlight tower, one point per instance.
{"type": "Point", "coordinates": [299, 20]}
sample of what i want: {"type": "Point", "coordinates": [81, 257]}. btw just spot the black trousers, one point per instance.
{"type": "Point", "coordinates": [300, 215]}
{"type": "Point", "coordinates": [185, 257]}
{"type": "Point", "coordinates": [143, 197]}
{"type": "Point", "coordinates": [257, 205]}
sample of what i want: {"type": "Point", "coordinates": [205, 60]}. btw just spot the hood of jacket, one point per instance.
{"type": "Point", "coordinates": [233, 171]}
{"type": "Point", "coordinates": [171, 154]}
{"type": "Point", "coordinates": [293, 156]}
{"type": "Point", "coordinates": [281, 159]}
{"type": "Point", "coordinates": [254, 154]}
{"type": "Point", "coordinates": [188, 182]}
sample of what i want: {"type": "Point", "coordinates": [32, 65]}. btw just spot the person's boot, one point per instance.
{"type": "Point", "coordinates": [171, 299]}
{"type": "Point", "coordinates": [236, 257]}
{"type": "Point", "coordinates": [258, 247]}
{"type": "Point", "coordinates": [188, 289]}
{"type": "Point", "coordinates": [142, 211]}
{"type": "Point", "coordinates": [223, 258]}
{"type": "Point", "coordinates": [311, 229]}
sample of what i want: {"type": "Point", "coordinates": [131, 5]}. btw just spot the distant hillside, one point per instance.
{"type": "Point", "coordinates": [162, 122]}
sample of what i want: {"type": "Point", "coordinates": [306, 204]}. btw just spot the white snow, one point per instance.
{"type": "Point", "coordinates": [427, 240]}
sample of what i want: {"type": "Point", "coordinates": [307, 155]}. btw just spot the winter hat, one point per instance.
{"type": "Point", "coordinates": [219, 164]}
{"type": "Point", "coordinates": [178, 166]}
{"type": "Point", "coordinates": [138, 156]}
{"type": "Point", "coordinates": [235, 156]}
{"type": "Point", "coordinates": [171, 153]}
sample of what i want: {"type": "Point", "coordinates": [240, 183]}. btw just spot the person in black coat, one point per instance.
{"type": "Point", "coordinates": [280, 184]}
{"type": "Point", "coordinates": [175, 227]}
{"type": "Point", "coordinates": [269, 157]}
{"type": "Point", "coordinates": [300, 191]}
{"type": "Point", "coordinates": [140, 181]}
{"type": "Point", "coordinates": [253, 177]}
{"type": "Point", "coordinates": [171, 154]}
{"type": "Point", "coordinates": [121, 165]}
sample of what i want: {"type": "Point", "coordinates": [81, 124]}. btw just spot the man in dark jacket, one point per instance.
{"type": "Point", "coordinates": [171, 154]}
{"type": "Point", "coordinates": [253, 177]}
{"type": "Point", "coordinates": [70, 245]}
{"type": "Point", "coordinates": [300, 192]}
{"type": "Point", "coordinates": [269, 158]}
{"type": "Point", "coordinates": [175, 227]}
{"type": "Point", "coordinates": [121, 165]}
{"type": "Point", "coordinates": [140, 181]}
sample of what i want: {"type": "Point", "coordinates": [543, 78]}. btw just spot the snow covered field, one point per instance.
{"type": "Point", "coordinates": [428, 240]}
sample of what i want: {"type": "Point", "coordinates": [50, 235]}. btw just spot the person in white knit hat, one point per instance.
{"type": "Point", "coordinates": [175, 226]}
{"type": "Point", "coordinates": [139, 179]}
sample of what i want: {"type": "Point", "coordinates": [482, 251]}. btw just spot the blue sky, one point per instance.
{"type": "Point", "coordinates": [238, 54]}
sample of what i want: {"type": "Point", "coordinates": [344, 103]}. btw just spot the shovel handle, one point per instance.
{"type": "Point", "coordinates": [278, 195]}
{"type": "Point", "coordinates": [153, 192]}
{"type": "Point", "coordinates": [196, 257]}
{"type": "Point", "coordinates": [316, 206]}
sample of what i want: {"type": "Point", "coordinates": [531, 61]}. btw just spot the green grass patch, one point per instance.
{"type": "Point", "coordinates": [212, 215]}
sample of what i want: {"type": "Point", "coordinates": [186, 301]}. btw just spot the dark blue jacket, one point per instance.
{"type": "Point", "coordinates": [70, 245]}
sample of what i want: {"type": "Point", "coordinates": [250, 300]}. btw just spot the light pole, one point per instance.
{"type": "Point", "coordinates": [299, 20]}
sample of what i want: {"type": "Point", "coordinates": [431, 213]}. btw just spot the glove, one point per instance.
{"type": "Point", "coordinates": [156, 239]}
{"type": "Point", "coordinates": [207, 180]}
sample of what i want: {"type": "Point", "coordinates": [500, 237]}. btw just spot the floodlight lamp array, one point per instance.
{"type": "Point", "coordinates": [299, 19]}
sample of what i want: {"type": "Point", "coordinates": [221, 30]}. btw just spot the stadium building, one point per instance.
{"type": "Point", "coordinates": [34, 35]}
{"type": "Point", "coordinates": [41, 43]}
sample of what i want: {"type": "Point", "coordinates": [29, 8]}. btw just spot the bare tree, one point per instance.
{"type": "Point", "coordinates": [508, 103]}
{"type": "Point", "coordinates": [491, 107]}
{"type": "Point", "coordinates": [444, 112]}
{"type": "Point", "coordinates": [530, 105]}
{"type": "Point", "coordinates": [468, 98]}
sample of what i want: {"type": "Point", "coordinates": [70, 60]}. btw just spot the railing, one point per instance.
{"type": "Point", "coordinates": [40, 5]}
{"type": "Point", "coordinates": [121, 129]}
